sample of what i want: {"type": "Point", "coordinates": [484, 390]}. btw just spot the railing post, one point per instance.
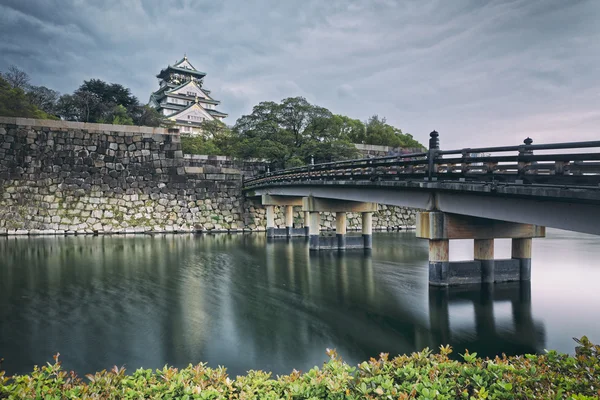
{"type": "Point", "coordinates": [524, 151]}
{"type": "Point", "coordinates": [434, 146]}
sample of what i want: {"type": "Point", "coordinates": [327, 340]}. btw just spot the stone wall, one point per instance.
{"type": "Point", "coordinates": [61, 177]}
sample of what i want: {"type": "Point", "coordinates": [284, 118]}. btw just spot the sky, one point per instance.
{"type": "Point", "coordinates": [479, 72]}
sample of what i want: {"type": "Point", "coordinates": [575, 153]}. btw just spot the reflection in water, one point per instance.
{"type": "Point", "coordinates": [240, 301]}
{"type": "Point", "coordinates": [482, 330]}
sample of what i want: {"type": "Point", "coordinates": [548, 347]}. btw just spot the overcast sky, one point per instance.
{"type": "Point", "coordinates": [480, 72]}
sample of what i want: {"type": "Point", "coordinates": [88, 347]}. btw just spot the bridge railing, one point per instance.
{"type": "Point", "coordinates": [503, 165]}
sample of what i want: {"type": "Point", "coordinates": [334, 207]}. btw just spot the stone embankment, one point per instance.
{"type": "Point", "coordinates": [60, 177]}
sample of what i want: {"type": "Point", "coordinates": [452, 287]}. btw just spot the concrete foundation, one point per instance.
{"type": "Point", "coordinates": [367, 229]}
{"type": "Point", "coordinates": [484, 253]}
{"type": "Point", "coordinates": [313, 230]}
{"type": "Point", "coordinates": [270, 221]}
{"type": "Point", "coordinates": [340, 230]}
{"type": "Point", "coordinates": [289, 220]}
{"type": "Point", "coordinates": [521, 251]}
{"type": "Point", "coordinates": [439, 262]}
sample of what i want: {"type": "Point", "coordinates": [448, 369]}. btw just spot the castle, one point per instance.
{"type": "Point", "coordinates": [183, 100]}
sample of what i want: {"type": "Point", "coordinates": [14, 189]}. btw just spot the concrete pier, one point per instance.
{"type": "Point", "coordinates": [314, 229]}
{"type": "Point", "coordinates": [367, 229]}
{"type": "Point", "coordinates": [341, 241]}
{"type": "Point", "coordinates": [306, 222]}
{"type": "Point", "coordinates": [287, 203]}
{"type": "Point", "coordinates": [289, 220]}
{"type": "Point", "coordinates": [340, 230]}
{"type": "Point", "coordinates": [440, 228]}
{"type": "Point", "coordinates": [521, 251]}
{"type": "Point", "coordinates": [439, 260]}
{"type": "Point", "coordinates": [270, 221]}
{"type": "Point", "coordinates": [484, 253]}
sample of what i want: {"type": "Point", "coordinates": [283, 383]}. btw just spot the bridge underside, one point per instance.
{"type": "Point", "coordinates": [551, 207]}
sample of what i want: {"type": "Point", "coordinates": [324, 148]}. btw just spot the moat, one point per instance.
{"type": "Point", "coordinates": [238, 301]}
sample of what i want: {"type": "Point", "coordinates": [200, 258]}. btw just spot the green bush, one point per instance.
{"type": "Point", "coordinates": [421, 375]}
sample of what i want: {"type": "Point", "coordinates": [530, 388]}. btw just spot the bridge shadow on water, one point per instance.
{"type": "Point", "coordinates": [240, 301]}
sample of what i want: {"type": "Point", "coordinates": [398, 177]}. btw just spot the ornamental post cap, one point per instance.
{"type": "Point", "coordinates": [528, 141]}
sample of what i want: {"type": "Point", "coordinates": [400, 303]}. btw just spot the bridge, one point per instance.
{"type": "Point", "coordinates": [474, 193]}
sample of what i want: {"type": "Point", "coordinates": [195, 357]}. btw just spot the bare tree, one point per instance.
{"type": "Point", "coordinates": [16, 78]}
{"type": "Point", "coordinates": [86, 101]}
{"type": "Point", "coordinates": [43, 98]}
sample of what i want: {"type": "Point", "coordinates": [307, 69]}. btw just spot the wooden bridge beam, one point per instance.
{"type": "Point", "coordinates": [318, 204]}
{"type": "Point", "coordinates": [273, 200]}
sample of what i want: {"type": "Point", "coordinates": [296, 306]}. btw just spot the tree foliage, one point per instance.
{"type": "Point", "coordinates": [290, 133]}
{"type": "Point", "coordinates": [294, 132]}
{"type": "Point", "coordinates": [216, 139]}
{"type": "Point", "coordinates": [94, 101]}
{"type": "Point", "coordinates": [15, 103]}
{"type": "Point", "coordinates": [379, 132]}
{"type": "Point", "coordinates": [43, 98]}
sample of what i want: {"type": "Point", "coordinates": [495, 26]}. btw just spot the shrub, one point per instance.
{"type": "Point", "coordinates": [421, 375]}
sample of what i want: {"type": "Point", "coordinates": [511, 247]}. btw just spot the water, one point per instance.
{"type": "Point", "coordinates": [238, 301]}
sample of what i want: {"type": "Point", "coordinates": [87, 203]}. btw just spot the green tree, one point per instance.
{"type": "Point", "coordinates": [351, 129]}
{"type": "Point", "coordinates": [14, 103]}
{"type": "Point", "coordinates": [117, 116]}
{"type": "Point", "coordinates": [149, 116]}
{"type": "Point", "coordinates": [289, 133]}
{"type": "Point", "coordinates": [216, 139]}
{"type": "Point", "coordinates": [96, 101]}
{"type": "Point", "coordinates": [379, 132]}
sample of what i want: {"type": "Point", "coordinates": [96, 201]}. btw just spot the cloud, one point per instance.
{"type": "Point", "coordinates": [480, 72]}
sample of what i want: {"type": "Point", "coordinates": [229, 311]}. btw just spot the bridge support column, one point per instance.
{"type": "Point", "coordinates": [484, 253]}
{"type": "Point", "coordinates": [367, 229]}
{"type": "Point", "coordinates": [341, 241]}
{"type": "Point", "coordinates": [441, 227]}
{"type": "Point", "coordinates": [340, 230]}
{"type": "Point", "coordinates": [287, 203]}
{"type": "Point", "coordinates": [306, 223]}
{"type": "Point", "coordinates": [521, 250]}
{"type": "Point", "coordinates": [270, 221]}
{"type": "Point", "coordinates": [289, 220]}
{"type": "Point", "coordinates": [439, 261]}
{"type": "Point", "coordinates": [314, 229]}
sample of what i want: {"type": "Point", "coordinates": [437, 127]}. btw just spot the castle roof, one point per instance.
{"type": "Point", "coordinates": [163, 74]}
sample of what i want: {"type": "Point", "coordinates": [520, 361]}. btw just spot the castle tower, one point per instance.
{"type": "Point", "coordinates": [182, 99]}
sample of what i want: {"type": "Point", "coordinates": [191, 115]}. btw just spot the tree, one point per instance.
{"type": "Point", "coordinates": [14, 103]}
{"type": "Point", "coordinates": [117, 116]}
{"type": "Point", "coordinates": [43, 98]}
{"type": "Point", "coordinates": [87, 103]}
{"type": "Point", "coordinates": [16, 78]}
{"type": "Point", "coordinates": [352, 130]}
{"type": "Point", "coordinates": [149, 116]}
{"type": "Point", "coordinates": [96, 100]}
{"type": "Point", "coordinates": [289, 133]}
{"type": "Point", "coordinates": [216, 139]}
{"type": "Point", "coordinates": [378, 132]}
